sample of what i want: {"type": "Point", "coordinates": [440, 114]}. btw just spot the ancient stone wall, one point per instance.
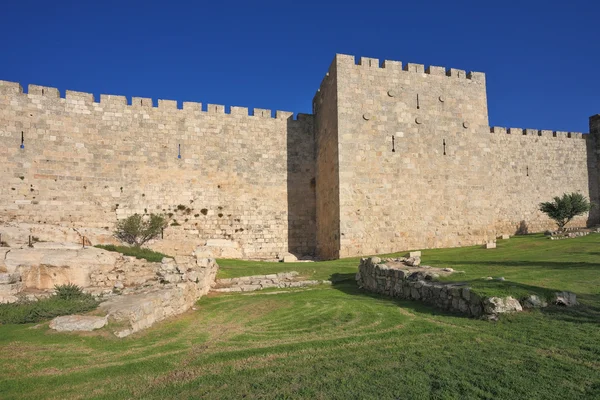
{"type": "Point", "coordinates": [395, 157]}
{"type": "Point", "coordinates": [74, 161]}
{"type": "Point", "coordinates": [419, 166]}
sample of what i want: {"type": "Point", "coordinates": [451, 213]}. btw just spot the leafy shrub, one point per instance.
{"type": "Point", "coordinates": [137, 230]}
{"type": "Point", "coordinates": [137, 252]}
{"type": "Point", "coordinates": [25, 312]}
{"type": "Point", "coordinates": [564, 209]}
{"type": "Point", "coordinates": [69, 291]}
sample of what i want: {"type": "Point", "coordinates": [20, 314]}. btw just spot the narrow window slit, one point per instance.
{"type": "Point", "coordinates": [393, 144]}
{"type": "Point", "coordinates": [444, 142]}
{"type": "Point", "coordinates": [179, 151]}
{"type": "Point", "coordinates": [22, 140]}
{"type": "Point", "coordinates": [418, 105]}
{"type": "Point", "coordinates": [527, 168]}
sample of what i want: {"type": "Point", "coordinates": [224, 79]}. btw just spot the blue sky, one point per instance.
{"type": "Point", "coordinates": [542, 58]}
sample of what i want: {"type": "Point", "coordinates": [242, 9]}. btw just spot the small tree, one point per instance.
{"type": "Point", "coordinates": [137, 229]}
{"type": "Point", "coordinates": [564, 209]}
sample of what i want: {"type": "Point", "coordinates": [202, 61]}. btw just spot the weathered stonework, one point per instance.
{"type": "Point", "coordinates": [394, 157]}
{"type": "Point", "coordinates": [395, 281]}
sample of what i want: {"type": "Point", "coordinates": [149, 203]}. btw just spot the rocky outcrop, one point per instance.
{"type": "Point", "coordinates": [43, 268]}
{"type": "Point", "coordinates": [179, 287]}
{"type": "Point", "coordinates": [78, 323]}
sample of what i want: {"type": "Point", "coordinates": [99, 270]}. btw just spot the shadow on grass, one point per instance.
{"type": "Point", "coordinates": [346, 283]}
{"type": "Point", "coordinates": [587, 313]}
{"type": "Point", "coordinates": [525, 264]}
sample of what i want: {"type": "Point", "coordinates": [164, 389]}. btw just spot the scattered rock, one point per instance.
{"type": "Point", "coordinates": [290, 258]}
{"type": "Point", "coordinates": [498, 305]}
{"type": "Point", "coordinates": [448, 270]}
{"type": "Point", "coordinates": [533, 301]}
{"type": "Point", "coordinates": [413, 261]}
{"type": "Point", "coordinates": [119, 285]}
{"type": "Point", "coordinates": [566, 299]}
{"type": "Point", "coordinates": [501, 279]}
{"type": "Point", "coordinates": [78, 323]}
{"type": "Point", "coordinates": [490, 245]}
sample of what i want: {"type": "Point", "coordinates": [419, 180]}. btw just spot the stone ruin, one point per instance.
{"type": "Point", "coordinates": [404, 278]}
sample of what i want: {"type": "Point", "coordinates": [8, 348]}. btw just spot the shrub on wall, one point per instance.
{"type": "Point", "coordinates": [137, 229]}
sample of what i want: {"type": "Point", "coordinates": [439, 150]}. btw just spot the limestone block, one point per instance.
{"type": "Point", "coordinates": [490, 245]}
{"type": "Point", "coordinates": [78, 323]}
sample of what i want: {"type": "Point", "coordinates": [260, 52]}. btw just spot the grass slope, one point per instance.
{"type": "Point", "coordinates": [337, 342]}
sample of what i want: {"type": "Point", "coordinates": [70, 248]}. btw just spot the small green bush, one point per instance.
{"type": "Point", "coordinates": [25, 312]}
{"type": "Point", "coordinates": [137, 252]}
{"type": "Point", "coordinates": [564, 209]}
{"type": "Point", "coordinates": [69, 291]}
{"type": "Point", "coordinates": [137, 229]}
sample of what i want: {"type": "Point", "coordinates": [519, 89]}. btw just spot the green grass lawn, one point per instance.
{"type": "Point", "coordinates": [337, 341]}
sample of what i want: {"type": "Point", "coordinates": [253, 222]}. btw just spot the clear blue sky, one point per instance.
{"type": "Point", "coordinates": [542, 58]}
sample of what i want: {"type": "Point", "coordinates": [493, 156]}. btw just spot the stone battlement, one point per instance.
{"type": "Point", "coordinates": [539, 133]}
{"type": "Point", "coordinates": [398, 67]}
{"type": "Point", "coordinates": [111, 101]}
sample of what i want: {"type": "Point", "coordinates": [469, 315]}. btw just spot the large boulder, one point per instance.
{"type": "Point", "coordinates": [501, 305]}
{"type": "Point", "coordinates": [78, 323]}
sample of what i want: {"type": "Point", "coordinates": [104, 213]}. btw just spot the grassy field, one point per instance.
{"type": "Point", "coordinates": [337, 341]}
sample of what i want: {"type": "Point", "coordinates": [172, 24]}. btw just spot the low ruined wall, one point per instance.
{"type": "Point", "coordinates": [259, 282]}
{"type": "Point", "coordinates": [394, 282]}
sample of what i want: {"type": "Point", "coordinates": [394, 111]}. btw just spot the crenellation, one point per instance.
{"type": "Point", "coordinates": [369, 62]}
{"type": "Point", "coordinates": [7, 87]}
{"type": "Point", "coordinates": [515, 131]}
{"type": "Point", "coordinates": [45, 91]}
{"type": "Point", "coordinates": [142, 102]}
{"type": "Point", "coordinates": [167, 104]}
{"type": "Point", "coordinates": [284, 115]}
{"type": "Point", "coordinates": [498, 129]}
{"type": "Point", "coordinates": [433, 70]}
{"type": "Point", "coordinates": [456, 73]}
{"type": "Point", "coordinates": [476, 76]}
{"type": "Point", "coordinates": [113, 100]}
{"type": "Point", "coordinates": [262, 113]}
{"type": "Point", "coordinates": [392, 65]}
{"type": "Point", "coordinates": [417, 68]}
{"type": "Point", "coordinates": [243, 111]}
{"type": "Point", "coordinates": [192, 106]}
{"type": "Point", "coordinates": [530, 132]}
{"type": "Point", "coordinates": [85, 98]}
